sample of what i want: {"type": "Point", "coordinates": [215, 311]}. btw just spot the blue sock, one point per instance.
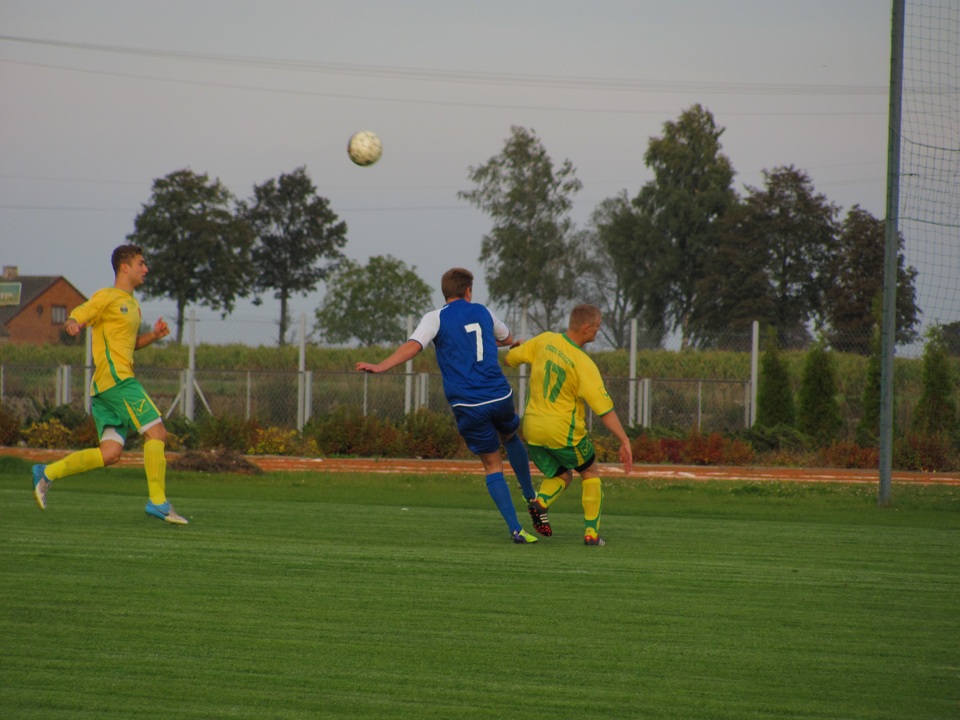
{"type": "Point", "coordinates": [497, 487]}
{"type": "Point", "coordinates": [520, 462]}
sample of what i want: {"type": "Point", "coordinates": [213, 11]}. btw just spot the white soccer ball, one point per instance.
{"type": "Point", "coordinates": [364, 148]}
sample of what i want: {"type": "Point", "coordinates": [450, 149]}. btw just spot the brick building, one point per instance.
{"type": "Point", "coordinates": [33, 308]}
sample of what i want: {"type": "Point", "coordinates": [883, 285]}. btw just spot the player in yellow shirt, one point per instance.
{"type": "Point", "coordinates": [120, 403]}
{"type": "Point", "coordinates": [563, 380]}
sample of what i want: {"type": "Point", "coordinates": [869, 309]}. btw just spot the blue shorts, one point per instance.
{"type": "Point", "coordinates": [481, 426]}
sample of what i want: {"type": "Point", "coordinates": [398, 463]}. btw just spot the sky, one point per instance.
{"type": "Point", "coordinates": [100, 98]}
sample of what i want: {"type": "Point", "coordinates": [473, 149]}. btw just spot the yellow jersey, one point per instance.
{"type": "Point", "coordinates": [563, 380]}
{"type": "Point", "coordinates": [114, 317]}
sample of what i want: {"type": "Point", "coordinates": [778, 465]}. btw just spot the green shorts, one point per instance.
{"type": "Point", "coordinates": [126, 406]}
{"type": "Point", "coordinates": [556, 461]}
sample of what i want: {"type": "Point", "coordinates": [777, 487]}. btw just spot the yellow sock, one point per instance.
{"type": "Point", "coordinates": [155, 465]}
{"type": "Point", "coordinates": [74, 463]}
{"type": "Point", "coordinates": [592, 499]}
{"type": "Point", "coordinates": [550, 490]}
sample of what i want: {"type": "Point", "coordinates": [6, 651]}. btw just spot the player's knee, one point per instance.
{"type": "Point", "coordinates": [110, 452]}
{"type": "Point", "coordinates": [156, 432]}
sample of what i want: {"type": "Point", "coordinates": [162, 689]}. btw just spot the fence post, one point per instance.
{"type": "Point", "coordinates": [632, 383]}
{"type": "Point", "coordinates": [88, 374]}
{"type": "Point", "coordinates": [301, 374]}
{"type": "Point", "coordinates": [408, 375]}
{"type": "Point", "coordinates": [645, 389]}
{"type": "Point", "coordinates": [189, 398]}
{"type": "Point", "coordinates": [754, 373]}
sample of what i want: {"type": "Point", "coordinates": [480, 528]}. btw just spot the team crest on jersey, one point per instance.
{"type": "Point", "coordinates": [123, 309]}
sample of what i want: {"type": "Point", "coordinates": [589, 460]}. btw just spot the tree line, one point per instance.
{"type": "Point", "coordinates": [687, 254]}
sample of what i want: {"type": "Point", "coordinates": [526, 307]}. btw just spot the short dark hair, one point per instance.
{"type": "Point", "coordinates": [583, 314]}
{"type": "Point", "coordinates": [124, 254]}
{"type": "Point", "coordinates": [455, 283]}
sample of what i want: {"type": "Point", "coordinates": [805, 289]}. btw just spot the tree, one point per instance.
{"type": "Point", "coordinates": [775, 405]}
{"type": "Point", "coordinates": [607, 273]}
{"type": "Point", "coordinates": [296, 230]}
{"type": "Point", "coordinates": [819, 412]}
{"type": "Point", "coordinates": [773, 263]}
{"type": "Point", "coordinates": [196, 247]}
{"type": "Point", "coordinates": [679, 212]}
{"type": "Point", "coordinates": [857, 280]}
{"type": "Point", "coordinates": [936, 412]}
{"type": "Point", "coordinates": [868, 427]}
{"type": "Point", "coordinates": [370, 302]}
{"type": "Point", "coordinates": [529, 257]}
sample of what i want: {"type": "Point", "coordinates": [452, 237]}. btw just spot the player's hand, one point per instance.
{"type": "Point", "coordinates": [160, 328]}
{"type": "Point", "coordinates": [72, 327]}
{"type": "Point", "coordinates": [626, 457]}
{"type": "Point", "coordinates": [366, 367]}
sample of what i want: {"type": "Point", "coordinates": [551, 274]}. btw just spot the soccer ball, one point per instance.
{"type": "Point", "coordinates": [364, 148]}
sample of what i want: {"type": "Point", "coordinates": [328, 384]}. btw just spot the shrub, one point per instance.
{"type": "Point", "coordinates": [67, 416]}
{"type": "Point", "coordinates": [432, 435]}
{"type": "Point", "coordinates": [695, 449]}
{"type": "Point", "coordinates": [85, 434]}
{"type": "Point", "coordinates": [774, 394]}
{"type": "Point", "coordinates": [819, 413]}
{"type": "Point", "coordinates": [49, 435]}
{"type": "Point", "coordinates": [344, 432]}
{"type": "Point", "coordinates": [230, 433]}
{"type": "Point", "coordinates": [779, 438]}
{"type": "Point", "coordinates": [925, 453]}
{"type": "Point", "coordinates": [846, 454]}
{"type": "Point", "coordinates": [649, 451]}
{"type": "Point", "coordinates": [182, 434]}
{"type": "Point", "coordinates": [9, 427]}
{"type": "Point", "coordinates": [936, 412]}
{"type": "Point", "coordinates": [276, 441]}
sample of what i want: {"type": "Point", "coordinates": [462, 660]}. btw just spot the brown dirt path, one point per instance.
{"type": "Point", "coordinates": [473, 467]}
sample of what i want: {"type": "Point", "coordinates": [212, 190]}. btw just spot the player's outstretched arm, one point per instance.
{"type": "Point", "coordinates": [405, 352]}
{"type": "Point", "coordinates": [612, 423]}
{"type": "Point", "coordinates": [160, 330]}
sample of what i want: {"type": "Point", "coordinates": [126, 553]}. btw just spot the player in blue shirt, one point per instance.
{"type": "Point", "coordinates": [466, 336]}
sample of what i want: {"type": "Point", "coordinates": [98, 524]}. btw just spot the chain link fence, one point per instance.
{"type": "Point", "coordinates": [275, 398]}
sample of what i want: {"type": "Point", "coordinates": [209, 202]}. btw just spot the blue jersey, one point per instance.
{"type": "Point", "coordinates": [465, 337]}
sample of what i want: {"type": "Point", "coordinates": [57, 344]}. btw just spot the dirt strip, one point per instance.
{"type": "Point", "coordinates": [473, 467]}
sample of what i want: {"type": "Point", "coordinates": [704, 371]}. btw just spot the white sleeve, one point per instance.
{"type": "Point", "coordinates": [500, 329]}
{"type": "Point", "coordinates": [427, 329]}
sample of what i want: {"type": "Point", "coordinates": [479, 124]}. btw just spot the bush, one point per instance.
{"type": "Point", "coordinates": [819, 413]}
{"type": "Point", "coordinates": [779, 438]}
{"type": "Point", "coordinates": [226, 432]}
{"type": "Point", "coordinates": [276, 441]}
{"type": "Point", "coordinates": [48, 435]}
{"type": "Point", "coordinates": [774, 393]}
{"type": "Point", "coordinates": [925, 453]}
{"type": "Point", "coordinates": [344, 432]}
{"type": "Point", "coordinates": [846, 454]}
{"type": "Point", "coordinates": [9, 427]}
{"type": "Point", "coordinates": [695, 449]}
{"type": "Point", "coordinates": [182, 434]}
{"type": "Point", "coordinates": [432, 435]}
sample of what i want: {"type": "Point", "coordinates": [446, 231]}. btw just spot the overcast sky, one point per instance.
{"type": "Point", "coordinates": [100, 98]}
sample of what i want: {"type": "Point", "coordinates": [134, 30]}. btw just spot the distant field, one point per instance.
{"type": "Point", "coordinates": [309, 595]}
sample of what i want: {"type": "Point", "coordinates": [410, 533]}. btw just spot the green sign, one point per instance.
{"type": "Point", "coordinates": [9, 293]}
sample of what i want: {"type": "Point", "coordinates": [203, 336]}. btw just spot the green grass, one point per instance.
{"type": "Point", "coordinates": [359, 596]}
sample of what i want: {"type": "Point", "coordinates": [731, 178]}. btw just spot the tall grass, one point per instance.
{"type": "Point", "coordinates": [339, 596]}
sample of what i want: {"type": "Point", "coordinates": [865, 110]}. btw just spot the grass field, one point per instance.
{"type": "Point", "coordinates": [357, 596]}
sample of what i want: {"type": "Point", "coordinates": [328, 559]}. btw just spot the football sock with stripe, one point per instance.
{"type": "Point", "coordinates": [155, 465]}
{"type": "Point", "coordinates": [75, 463]}
{"type": "Point", "coordinates": [497, 487]}
{"type": "Point", "coordinates": [520, 462]}
{"type": "Point", "coordinates": [592, 499]}
{"type": "Point", "coordinates": [550, 490]}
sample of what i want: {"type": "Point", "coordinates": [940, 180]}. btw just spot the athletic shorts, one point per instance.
{"type": "Point", "coordinates": [482, 426]}
{"type": "Point", "coordinates": [126, 406]}
{"type": "Point", "coordinates": [553, 462]}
